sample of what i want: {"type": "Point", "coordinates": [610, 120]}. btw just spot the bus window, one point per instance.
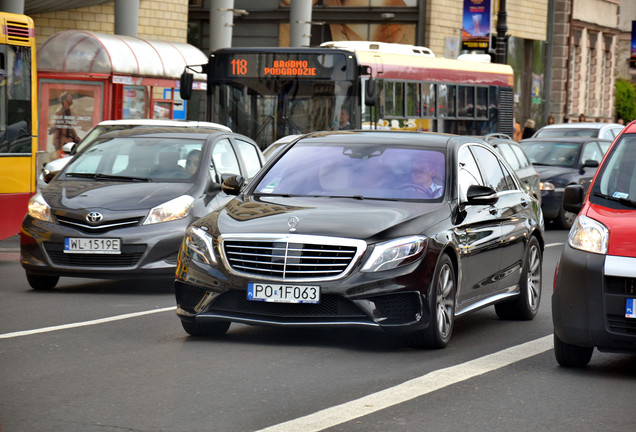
{"type": "Point", "coordinates": [428, 100]}
{"type": "Point", "coordinates": [412, 100]}
{"type": "Point", "coordinates": [481, 104]}
{"type": "Point", "coordinates": [465, 101]}
{"type": "Point", "coordinates": [394, 98]}
{"type": "Point", "coordinates": [446, 100]}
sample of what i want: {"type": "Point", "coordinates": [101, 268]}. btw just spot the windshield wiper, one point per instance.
{"type": "Point", "coordinates": [625, 201]}
{"type": "Point", "coordinates": [100, 176]}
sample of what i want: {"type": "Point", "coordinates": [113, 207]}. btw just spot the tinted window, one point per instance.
{"type": "Point", "coordinates": [249, 153]}
{"type": "Point", "coordinates": [591, 151]}
{"type": "Point", "coordinates": [509, 155]}
{"type": "Point", "coordinates": [370, 171]}
{"type": "Point", "coordinates": [521, 156]}
{"type": "Point", "coordinates": [491, 169]}
{"type": "Point", "coordinates": [224, 159]}
{"type": "Point", "coordinates": [552, 153]}
{"type": "Point", "coordinates": [468, 172]}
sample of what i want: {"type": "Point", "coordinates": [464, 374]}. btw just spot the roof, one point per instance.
{"type": "Point", "coordinates": [166, 123]}
{"type": "Point", "coordinates": [580, 125]}
{"type": "Point", "coordinates": [86, 52]}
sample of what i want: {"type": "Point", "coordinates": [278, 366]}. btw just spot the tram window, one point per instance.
{"type": "Point", "coordinates": [394, 98]}
{"type": "Point", "coordinates": [465, 101]}
{"type": "Point", "coordinates": [446, 100]}
{"type": "Point", "coordinates": [412, 100]}
{"type": "Point", "coordinates": [481, 105]}
{"type": "Point", "coordinates": [428, 100]}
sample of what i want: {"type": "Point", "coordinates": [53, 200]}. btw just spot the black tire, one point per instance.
{"type": "Point", "coordinates": [441, 303]}
{"type": "Point", "coordinates": [205, 330]}
{"type": "Point", "coordinates": [42, 283]}
{"type": "Point", "coordinates": [565, 219]}
{"type": "Point", "coordinates": [526, 305]}
{"type": "Point", "coordinates": [568, 355]}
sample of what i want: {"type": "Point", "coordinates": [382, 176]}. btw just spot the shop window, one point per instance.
{"type": "Point", "coordinates": [134, 102]}
{"type": "Point", "coordinates": [446, 100]}
{"type": "Point", "coordinates": [465, 101]}
{"type": "Point", "coordinates": [481, 105]}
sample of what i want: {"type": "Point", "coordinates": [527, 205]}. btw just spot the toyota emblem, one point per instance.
{"type": "Point", "coordinates": [94, 217]}
{"type": "Point", "coordinates": [292, 222]}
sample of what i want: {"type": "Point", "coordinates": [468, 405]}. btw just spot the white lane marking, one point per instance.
{"type": "Point", "coordinates": [412, 389]}
{"type": "Point", "coordinates": [84, 323]}
{"type": "Point", "coordinates": [554, 244]}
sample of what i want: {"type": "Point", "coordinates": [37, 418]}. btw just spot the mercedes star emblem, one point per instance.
{"type": "Point", "coordinates": [292, 222]}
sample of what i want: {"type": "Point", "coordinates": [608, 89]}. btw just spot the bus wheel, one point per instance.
{"type": "Point", "coordinates": [38, 282]}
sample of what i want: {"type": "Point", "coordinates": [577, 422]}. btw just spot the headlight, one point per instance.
{"type": "Point", "coordinates": [175, 209]}
{"type": "Point", "coordinates": [39, 209]}
{"type": "Point", "coordinates": [394, 253]}
{"type": "Point", "coordinates": [197, 244]}
{"type": "Point", "coordinates": [588, 235]}
{"type": "Point", "coordinates": [546, 186]}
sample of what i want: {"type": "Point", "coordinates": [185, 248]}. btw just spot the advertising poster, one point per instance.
{"type": "Point", "coordinates": [68, 111]}
{"type": "Point", "coordinates": [632, 58]}
{"type": "Point", "coordinates": [476, 25]}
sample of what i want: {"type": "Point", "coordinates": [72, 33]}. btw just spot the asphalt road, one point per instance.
{"type": "Point", "coordinates": [97, 355]}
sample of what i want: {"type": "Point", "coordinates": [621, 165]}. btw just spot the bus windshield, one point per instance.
{"type": "Point", "coordinates": [15, 99]}
{"type": "Point", "coordinates": [268, 96]}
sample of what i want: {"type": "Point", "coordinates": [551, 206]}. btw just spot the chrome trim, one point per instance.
{"type": "Point", "coordinates": [242, 320]}
{"type": "Point", "coordinates": [360, 245]}
{"type": "Point", "coordinates": [485, 302]}
{"type": "Point", "coordinates": [620, 266]}
{"type": "Point", "coordinates": [63, 221]}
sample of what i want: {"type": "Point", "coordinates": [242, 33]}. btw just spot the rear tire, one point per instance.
{"type": "Point", "coordinates": [526, 305]}
{"type": "Point", "coordinates": [441, 304]}
{"type": "Point", "coordinates": [205, 330]}
{"type": "Point", "coordinates": [42, 283]}
{"type": "Point", "coordinates": [568, 355]}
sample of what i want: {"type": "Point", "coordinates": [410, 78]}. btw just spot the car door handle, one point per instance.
{"type": "Point", "coordinates": [524, 203]}
{"type": "Point", "coordinates": [493, 210]}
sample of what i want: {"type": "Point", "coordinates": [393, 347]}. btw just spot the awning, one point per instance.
{"type": "Point", "coordinates": [78, 51]}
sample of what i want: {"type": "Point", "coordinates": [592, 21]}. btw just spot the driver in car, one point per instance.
{"type": "Point", "coordinates": [423, 178]}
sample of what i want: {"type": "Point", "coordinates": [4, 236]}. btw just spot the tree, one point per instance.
{"type": "Point", "coordinates": [625, 100]}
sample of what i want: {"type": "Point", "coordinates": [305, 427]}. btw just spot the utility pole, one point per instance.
{"type": "Point", "coordinates": [501, 44]}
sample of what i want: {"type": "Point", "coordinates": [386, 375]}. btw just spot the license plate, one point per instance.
{"type": "Point", "coordinates": [92, 245]}
{"type": "Point", "coordinates": [267, 292]}
{"type": "Point", "coordinates": [630, 307]}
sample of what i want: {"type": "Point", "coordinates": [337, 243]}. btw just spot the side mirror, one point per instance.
{"type": "Point", "coordinates": [573, 196]}
{"type": "Point", "coordinates": [68, 148]}
{"type": "Point", "coordinates": [481, 195]}
{"type": "Point", "coordinates": [232, 185]}
{"type": "Point", "coordinates": [186, 85]}
{"type": "Point", "coordinates": [370, 92]}
{"type": "Point", "coordinates": [590, 163]}
{"type": "Point", "coordinates": [47, 175]}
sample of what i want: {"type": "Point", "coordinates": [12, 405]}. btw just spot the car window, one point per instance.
{"type": "Point", "coordinates": [552, 153]}
{"type": "Point", "coordinates": [524, 162]}
{"type": "Point", "coordinates": [617, 177]}
{"type": "Point", "coordinates": [492, 172]}
{"type": "Point", "coordinates": [249, 153]}
{"type": "Point", "coordinates": [616, 131]}
{"type": "Point", "coordinates": [508, 154]}
{"type": "Point", "coordinates": [606, 134]}
{"type": "Point", "coordinates": [369, 171]}
{"type": "Point", "coordinates": [468, 172]}
{"type": "Point", "coordinates": [605, 145]}
{"type": "Point", "coordinates": [591, 151]}
{"type": "Point", "coordinates": [224, 159]}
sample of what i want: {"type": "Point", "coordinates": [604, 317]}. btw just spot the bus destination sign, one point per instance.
{"type": "Point", "coordinates": [265, 65]}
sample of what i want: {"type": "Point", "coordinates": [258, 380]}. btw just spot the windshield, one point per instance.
{"type": "Point", "coordinates": [356, 171]}
{"type": "Point", "coordinates": [563, 154]}
{"type": "Point", "coordinates": [617, 177]}
{"type": "Point", "coordinates": [138, 158]}
{"type": "Point", "coordinates": [567, 132]}
{"type": "Point", "coordinates": [15, 99]}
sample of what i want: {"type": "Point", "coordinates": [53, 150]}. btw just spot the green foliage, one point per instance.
{"type": "Point", "coordinates": [625, 100]}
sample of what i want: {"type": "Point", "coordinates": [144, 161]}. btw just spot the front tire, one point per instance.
{"type": "Point", "coordinates": [42, 283]}
{"type": "Point", "coordinates": [441, 303]}
{"type": "Point", "coordinates": [526, 305]}
{"type": "Point", "coordinates": [205, 330]}
{"type": "Point", "coordinates": [568, 355]}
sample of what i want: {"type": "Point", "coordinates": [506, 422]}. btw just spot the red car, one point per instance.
{"type": "Point", "coordinates": [594, 300]}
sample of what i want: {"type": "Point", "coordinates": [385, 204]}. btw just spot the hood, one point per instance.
{"type": "Point", "coordinates": [113, 196]}
{"type": "Point", "coordinates": [335, 217]}
{"type": "Point", "coordinates": [622, 228]}
{"type": "Point", "coordinates": [555, 174]}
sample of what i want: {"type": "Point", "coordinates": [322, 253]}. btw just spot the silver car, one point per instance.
{"type": "Point", "coordinates": [583, 129]}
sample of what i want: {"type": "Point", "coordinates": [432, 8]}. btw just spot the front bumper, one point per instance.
{"type": "Point", "coordinates": [146, 250]}
{"type": "Point", "coordinates": [393, 300]}
{"type": "Point", "coordinates": [588, 305]}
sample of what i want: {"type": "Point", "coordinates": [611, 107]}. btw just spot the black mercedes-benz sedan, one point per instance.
{"type": "Point", "coordinates": [120, 207]}
{"type": "Point", "coordinates": [399, 231]}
